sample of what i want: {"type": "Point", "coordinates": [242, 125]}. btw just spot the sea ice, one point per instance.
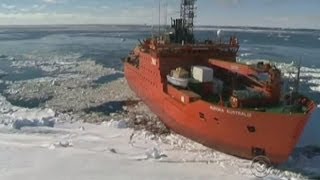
{"type": "Point", "coordinates": [65, 144]}
{"type": "Point", "coordinates": [18, 124]}
{"type": "Point", "coordinates": [23, 117]}
{"type": "Point", "coordinates": [154, 153]}
{"type": "Point", "coordinates": [315, 88]}
{"type": "Point", "coordinates": [122, 124]}
{"type": "Point", "coordinates": [245, 54]}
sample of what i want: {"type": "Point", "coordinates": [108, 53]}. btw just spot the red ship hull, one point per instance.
{"type": "Point", "coordinates": [237, 132]}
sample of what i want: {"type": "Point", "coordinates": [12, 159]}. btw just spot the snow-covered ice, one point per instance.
{"type": "Point", "coordinates": [113, 151]}
{"type": "Point", "coordinates": [99, 152]}
{"type": "Point", "coordinates": [23, 117]}
{"type": "Point", "coordinates": [102, 152]}
{"type": "Point", "coordinates": [85, 151]}
{"type": "Point", "coordinates": [122, 124]}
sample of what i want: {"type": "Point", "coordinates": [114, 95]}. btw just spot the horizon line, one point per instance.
{"type": "Point", "coordinates": [202, 25]}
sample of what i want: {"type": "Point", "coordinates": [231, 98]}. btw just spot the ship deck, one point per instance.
{"type": "Point", "coordinates": [276, 108]}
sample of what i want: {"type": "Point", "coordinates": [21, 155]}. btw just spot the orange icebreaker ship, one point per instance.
{"type": "Point", "coordinates": [199, 91]}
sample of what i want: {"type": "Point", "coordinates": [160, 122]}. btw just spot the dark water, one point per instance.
{"type": "Point", "coordinates": [19, 74]}
{"type": "Point", "coordinates": [105, 43]}
{"type": "Point", "coordinates": [2, 87]}
{"type": "Point", "coordinates": [276, 45]}
{"type": "Point", "coordinates": [24, 74]}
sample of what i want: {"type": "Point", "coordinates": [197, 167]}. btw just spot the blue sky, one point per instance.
{"type": "Point", "coordinates": [267, 13]}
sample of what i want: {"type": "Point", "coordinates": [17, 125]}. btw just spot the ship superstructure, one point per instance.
{"type": "Point", "coordinates": [199, 91]}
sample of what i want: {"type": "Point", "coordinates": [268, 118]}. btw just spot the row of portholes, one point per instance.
{"type": "Point", "coordinates": [148, 61]}
{"type": "Point", "coordinates": [144, 79]}
{"type": "Point", "coordinates": [180, 51]}
{"type": "Point", "coordinates": [151, 72]}
{"type": "Point", "coordinates": [144, 60]}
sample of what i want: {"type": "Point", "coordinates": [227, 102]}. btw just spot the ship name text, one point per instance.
{"type": "Point", "coordinates": [232, 112]}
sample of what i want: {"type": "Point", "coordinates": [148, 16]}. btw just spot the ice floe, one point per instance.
{"type": "Point", "coordinates": [56, 65]}
{"type": "Point", "coordinates": [18, 118]}
{"type": "Point", "coordinates": [245, 54]}
{"type": "Point", "coordinates": [122, 124]}
{"type": "Point", "coordinates": [73, 85]}
{"type": "Point", "coordinates": [18, 124]}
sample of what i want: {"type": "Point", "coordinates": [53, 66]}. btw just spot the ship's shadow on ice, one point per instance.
{"type": "Point", "coordinates": [28, 103]}
{"type": "Point", "coordinates": [110, 107]}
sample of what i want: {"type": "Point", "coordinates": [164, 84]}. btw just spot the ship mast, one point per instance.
{"type": "Point", "coordinates": [166, 14]}
{"type": "Point", "coordinates": [183, 26]}
{"type": "Point", "coordinates": [187, 14]}
{"type": "Point", "coordinates": [297, 82]}
{"type": "Point", "coordinates": [159, 25]}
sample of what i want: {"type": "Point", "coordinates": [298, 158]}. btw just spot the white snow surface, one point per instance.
{"type": "Point", "coordinates": [85, 151]}
{"type": "Point", "coordinates": [99, 152]}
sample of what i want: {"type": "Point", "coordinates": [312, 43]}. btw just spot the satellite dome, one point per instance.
{"type": "Point", "coordinates": [220, 33]}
